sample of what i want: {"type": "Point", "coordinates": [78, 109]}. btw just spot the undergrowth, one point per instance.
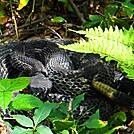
{"type": "Point", "coordinates": [57, 114]}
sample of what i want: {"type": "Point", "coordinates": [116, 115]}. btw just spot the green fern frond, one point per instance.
{"type": "Point", "coordinates": [109, 43]}
{"type": "Point", "coordinates": [129, 37]}
{"type": "Point", "coordinates": [110, 34]}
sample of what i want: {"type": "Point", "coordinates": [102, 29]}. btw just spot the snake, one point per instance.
{"type": "Point", "coordinates": [59, 75]}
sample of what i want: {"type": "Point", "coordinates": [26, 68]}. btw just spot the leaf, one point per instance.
{"type": "Point", "coordinates": [123, 23]}
{"type": "Point", "coordinates": [44, 130]}
{"type": "Point", "coordinates": [130, 72]}
{"type": "Point", "coordinates": [69, 7]}
{"type": "Point", "coordinates": [20, 130]}
{"type": "Point", "coordinates": [117, 119]}
{"type": "Point", "coordinates": [102, 130]}
{"type": "Point", "coordinates": [96, 18]}
{"type": "Point", "coordinates": [128, 36]}
{"type": "Point", "coordinates": [94, 121]}
{"type": "Point", "coordinates": [121, 116]}
{"type": "Point", "coordinates": [63, 125]}
{"type": "Point", "coordinates": [87, 24]}
{"type": "Point", "coordinates": [64, 107]}
{"type": "Point", "coordinates": [14, 84]}
{"type": "Point", "coordinates": [128, 8]}
{"type": "Point", "coordinates": [2, 5]}
{"type": "Point", "coordinates": [113, 130]}
{"type": "Point", "coordinates": [77, 101]}
{"type": "Point", "coordinates": [65, 132]}
{"type": "Point", "coordinates": [56, 114]}
{"type": "Point", "coordinates": [96, 115]}
{"type": "Point", "coordinates": [112, 9]}
{"type": "Point", "coordinates": [1, 14]}
{"type": "Point", "coordinates": [58, 19]}
{"type": "Point", "coordinates": [64, 1]}
{"type": "Point", "coordinates": [42, 112]}
{"type": "Point", "coordinates": [22, 4]}
{"type": "Point", "coordinates": [23, 120]}
{"type": "Point", "coordinates": [5, 99]}
{"type": "Point", "coordinates": [26, 102]}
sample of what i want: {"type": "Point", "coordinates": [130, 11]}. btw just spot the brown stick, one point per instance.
{"type": "Point", "coordinates": [77, 11]}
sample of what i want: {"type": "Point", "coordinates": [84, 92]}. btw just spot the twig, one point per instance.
{"type": "Point", "coordinates": [23, 26]}
{"type": "Point", "coordinates": [13, 17]}
{"type": "Point", "coordinates": [31, 23]}
{"type": "Point", "coordinates": [100, 13]}
{"type": "Point", "coordinates": [77, 11]}
{"type": "Point", "coordinates": [31, 12]}
{"type": "Point", "coordinates": [28, 24]}
{"type": "Point", "coordinates": [54, 32]}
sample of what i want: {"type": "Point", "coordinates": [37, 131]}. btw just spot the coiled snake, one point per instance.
{"type": "Point", "coordinates": [58, 75]}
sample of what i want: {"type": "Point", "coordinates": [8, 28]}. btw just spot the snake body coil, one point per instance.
{"type": "Point", "coordinates": [71, 73]}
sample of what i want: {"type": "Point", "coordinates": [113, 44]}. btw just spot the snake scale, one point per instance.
{"type": "Point", "coordinates": [59, 75]}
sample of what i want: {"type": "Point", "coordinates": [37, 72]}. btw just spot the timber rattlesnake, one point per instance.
{"type": "Point", "coordinates": [66, 74]}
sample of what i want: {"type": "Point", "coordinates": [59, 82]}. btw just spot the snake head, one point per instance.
{"type": "Point", "coordinates": [39, 84]}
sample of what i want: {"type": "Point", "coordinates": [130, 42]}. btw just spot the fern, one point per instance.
{"type": "Point", "coordinates": [114, 44]}
{"type": "Point", "coordinates": [129, 37]}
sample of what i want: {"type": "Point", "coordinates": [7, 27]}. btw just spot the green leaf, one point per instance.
{"type": "Point", "coordinates": [77, 101]}
{"type": "Point", "coordinates": [89, 24]}
{"type": "Point", "coordinates": [2, 5]}
{"type": "Point", "coordinates": [64, 1]}
{"type": "Point", "coordinates": [1, 14]}
{"type": "Point", "coordinates": [28, 131]}
{"type": "Point", "coordinates": [5, 99]}
{"type": "Point", "coordinates": [14, 84]}
{"type": "Point", "coordinates": [22, 4]}
{"type": "Point", "coordinates": [23, 120]}
{"type": "Point", "coordinates": [123, 23]}
{"type": "Point", "coordinates": [128, 36]}
{"type": "Point", "coordinates": [121, 116]}
{"type": "Point", "coordinates": [64, 107]}
{"type": "Point", "coordinates": [128, 8]}
{"type": "Point", "coordinates": [112, 9]}
{"type": "Point", "coordinates": [102, 130]}
{"type": "Point", "coordinates": [65, 132]}
{"type": "Point", "coordinates": [94, 123]}
{"type": "Point", "coordinates": [69, 7]}
{"type": "Point", "coordinates": [56, 114]}
{"type": "Point", "coordinates": [130, 72]}
{"type": "Point", "coordinates": [96, 115]}
{"type": "Point", "coordinates": [113, 130]}
{"type": "Point", "coordinates": [42, 112]}
{"type": "Point", "coordinates": [63, 125]}
{"type": "Point", "coordinates": [58, 19]}
{"type": "Point", "coordinates": [26, 102]}
{"type": "Point", "coordinates": [20, 130]}
{"type": "Point", "coordinates": [44, 130]}
{"type": "Point", "coordinates": [96, 18]}
{"type": "Point", "coordinates": [117, 119]}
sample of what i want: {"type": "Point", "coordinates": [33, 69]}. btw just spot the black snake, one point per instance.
{"type": "Point", "coordinates": [58, 74]}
